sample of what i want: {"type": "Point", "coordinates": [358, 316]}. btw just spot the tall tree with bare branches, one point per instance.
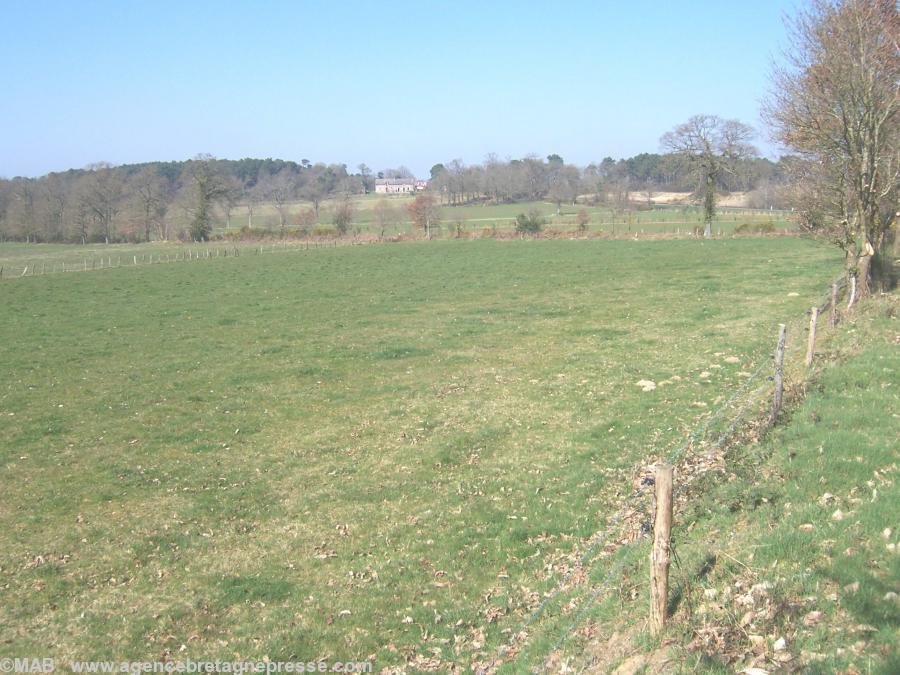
{"type": "Point", "coordinates": [835, 104]}
{"type": "Point", "coordinates": [711, 147]}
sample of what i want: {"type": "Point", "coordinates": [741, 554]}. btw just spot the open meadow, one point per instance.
{"type": "Point", "coordinates": [359, 452]}
{"type": "Point", "coordinates": [479, 217]}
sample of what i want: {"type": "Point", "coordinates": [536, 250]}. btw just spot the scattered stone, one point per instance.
{"type": "Point", "coordinates": [813, 618]}
{"type": "Point", "coordinates": [731, 359]}
{"type": "Point", "coordinates": [887, 533]}
{"type": "Point", "coordinates": [812, 657]}
{"type": "Point", "coordinates": [837, 515]}
{"type": "Point", "coordinates": [827, 498]}
{"type": "Point", "coordinates": [851, 588]}
{"type": "Point", "coordinates": [743, 373]}
{"type": "Point", "coordinates": [705, 374]}
{"type": "Point", "coordinates": [890, 596]}
{"type": "Point", "coordinates": [807, 527]}
{"type": "Point", "coordinates": [710, 593]}
{"type": "Point", "coordinates": [779, 644]}
{"type": "Point", "coordinates": [792, 294]}
{"type": "Point", "coordinates": [761, 589]}
{"type": "Point", "coordinates": [646, 385]}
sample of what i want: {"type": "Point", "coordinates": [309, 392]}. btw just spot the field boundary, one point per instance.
{"type": "Point", "coordinates": [745, 412]}
{"type": "Point", "coordinates": [30, 267]}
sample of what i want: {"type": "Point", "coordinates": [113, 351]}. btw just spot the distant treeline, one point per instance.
{"type": "Point", "coordinates": [181, 200]}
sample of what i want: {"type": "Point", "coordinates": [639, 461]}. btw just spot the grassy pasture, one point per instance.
{"type": "Point", "coordinates": [475, 217]}
{"type": "Point", "coordinates": [352, 452]}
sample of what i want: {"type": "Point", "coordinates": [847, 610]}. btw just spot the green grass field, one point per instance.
{"type": "Point", "coordinates": [786, 545]}
{"type": "Point", "coordinates": [356, 452]}
{"type": "Point", "coordinates": [474, 218]}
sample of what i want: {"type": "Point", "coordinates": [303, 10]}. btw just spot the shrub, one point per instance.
{"type": "Point", "coordinates": [324, 231]}
{"type": "Point", "coordinates": [582, 218]}
{"type": "Point", "coordinates": [532, 223]}
{"type": "Point", "coordinates": [767, 227]}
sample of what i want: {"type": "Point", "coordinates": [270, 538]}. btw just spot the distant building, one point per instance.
{"type": "Point", "coordinates": [395, 186]}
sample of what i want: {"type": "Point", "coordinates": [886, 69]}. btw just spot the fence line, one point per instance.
{"type": "Point", "coordinates": [689, 449]}
{"type": "Point", "coordinates": [130, 259]}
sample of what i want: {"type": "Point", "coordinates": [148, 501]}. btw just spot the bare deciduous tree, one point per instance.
{"type": "Point", "coordinates": [836, 105]}
{"type": "Point", "coordinates": [711, 147]}
{"type": "Point", "coordinates": [153, 195]}
{"type": "Point", "coordinates": [207, 185]}
{"type": "Point", "coordinates": [425, 213]}
{"type": "Point", "coordinates": [385, 215]}
{"type": "Point", "coordinates": [102, 194]}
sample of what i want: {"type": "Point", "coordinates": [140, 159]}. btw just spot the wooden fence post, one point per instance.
{"type": "Point", "coordinates": [779, 373]}
{"type": "Point", "coordinates": [660, 555]}
{"type": "Point", "coordinates": [834, 302]}
{"type": "Point", "coordinates": [852, 291]}
{"type": "Point", "coordinates": [811, 345]}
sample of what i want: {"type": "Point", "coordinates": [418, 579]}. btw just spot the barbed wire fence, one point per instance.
{"type": "Point", "coordinates": [115, 260]}
{"type": "Point", "coordinates": [751, 400]}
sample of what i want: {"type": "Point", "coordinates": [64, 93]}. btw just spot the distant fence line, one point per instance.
{"type": "Point", "coordinates": [31, 268]}
{"type": "Point", "coordinates": [113, 261]}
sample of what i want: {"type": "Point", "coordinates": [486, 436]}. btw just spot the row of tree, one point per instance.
{"type": "Point", "coordinates": [162, 200]}
{"type": "Point", "coordinates": [609, 181]}
{"type": "Point", "coordinates": [169, 200]}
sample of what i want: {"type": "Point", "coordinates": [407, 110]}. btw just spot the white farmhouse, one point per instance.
{"type": "Point", "coordinates": [395, 186]}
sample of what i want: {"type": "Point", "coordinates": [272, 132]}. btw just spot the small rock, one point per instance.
{"type": "Point", "coordinates": [890, 596]}
{"type": "Point", "coordinates": [813, 618]}
{"type": "Point", "coordinates": [887, 533]}
{"type": "Point", "coordinates": [792, 294]}
{"type": "Point", "coordinates": [826, 498]}
{"type": "Point", "coordinates": [807, 527]}
{"type": "Point", "coordinates": [851, 588]}
{"type": "Point", "coordinates": [731, 359]}
{"type": "Point", "coordinates": [837, 515]}
{"type": "Point", "coordinates": [646, 385]}
{"type": "Point", "coordinates": [710, 593]}
{"type": "Point", "coordinates": [705, 374]}
{"type": "Point", "coordinates": [779, 644]}
{"type": "Point", "coordinates": [631, 665]}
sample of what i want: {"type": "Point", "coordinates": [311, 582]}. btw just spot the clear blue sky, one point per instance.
{"type": "Point", "coordinates": [383, 83]}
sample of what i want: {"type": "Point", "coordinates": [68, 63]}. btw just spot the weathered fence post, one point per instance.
{"type": "Point", "coordinates": [834, 302]}
{"type": "Point", "coordinates": [660, 555]}
{"type": "Point", "coordinates": [811, 345]}
{"type": "Point", "coordinates": [779, 373]}
{"type": "Point", "coordinates": [852, 292]}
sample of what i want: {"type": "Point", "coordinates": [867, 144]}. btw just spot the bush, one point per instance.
{"type": "Point", "coordinates": [767, 227]}
{"type": "Point", "coordinates": [532, 223]}
{"type": "Point", "coordinates": [324, 231]}
{"type": "Point", "coordinates": [582, 219]}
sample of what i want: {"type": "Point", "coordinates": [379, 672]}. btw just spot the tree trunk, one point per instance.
{"type": "Point", "coordinates": [863, 275]}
